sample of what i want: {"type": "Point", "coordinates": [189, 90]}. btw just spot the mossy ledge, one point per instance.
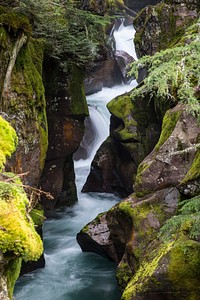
{"type": "Point", "coordinates": [18, 238]}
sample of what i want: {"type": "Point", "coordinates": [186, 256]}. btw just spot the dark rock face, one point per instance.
{"type": "Point", "coordinates": [111, 170]}
{"type": "Point", "coordinates": [66, 110]}
{"type": "Point", "coordinates": [137, 5]}
{"type": "Point", "coordinates": [101, 74]}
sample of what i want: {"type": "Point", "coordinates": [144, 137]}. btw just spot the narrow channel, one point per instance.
{"type": "Point", "coordinates": [70, 274]}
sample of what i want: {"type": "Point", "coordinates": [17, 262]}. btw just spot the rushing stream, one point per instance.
{"type": "Point", "coordinates": [70, 274]}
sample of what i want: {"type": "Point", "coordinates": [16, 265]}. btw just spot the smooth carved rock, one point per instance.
{"type": "Point", "coordinates": [101, 74]}
{"type": "Point", "coordinates": [123, 60]}
{"type": "Point", "coordinates": [66, 110]}
{"type": "Point", "coordinates": [95, 238]}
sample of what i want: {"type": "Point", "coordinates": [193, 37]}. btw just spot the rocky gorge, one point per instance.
{"type": "Point", "coordinates": [151, 157]}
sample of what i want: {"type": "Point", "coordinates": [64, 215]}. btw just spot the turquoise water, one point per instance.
{"type": "Point", "coordinates": [70, 274]}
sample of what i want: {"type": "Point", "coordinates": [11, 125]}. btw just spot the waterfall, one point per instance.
{"type": "Point", "coordinates": [124, 39]}
{"type": "Point", "coordinates": [69, 273]}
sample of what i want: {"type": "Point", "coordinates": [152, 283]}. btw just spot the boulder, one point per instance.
{"type": "Point", "coordinates": [169, 268]}
{"type": "Point", "coordinates": [151, 23]}
{"type": "Point", "coordinates": [123, 60]}
{"type": "Point", "coordinates": [95, 237]}
{"type": "Point", "coordinates": [134, 131]}
{"type": "Point", "coordinates": [129, 226]}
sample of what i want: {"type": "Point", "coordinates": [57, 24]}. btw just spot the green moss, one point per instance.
{"type": "Point", "coordinates": [138, 180]}
{"type": "Point", "coordinates": [194, 171]}
{"type": "Point", "coordinates": [26, 77]}
{"type": "Point", "coordinates": [37, 215]}
{"type": "Point", "coordinates": [184, 268]}
{"type": "Point", "coordinates": [14, 21]}
{"type": "Point", "coordinates": [17, 233]}
{"type": "Point", "coordinates": [123, 275]}
{"type": "Point", "coordinates": [126, 208]}
{"type": "Point", "coordinates": [139, 282]}
{"type": "Point", "coordinates": [122, 107]}
{"type": "Point", "coordinates": [27, 83]}
{"type": "Point", "coordinates": [76, 88]}
{"type": "Point", "coordinates": [3, 38]}
{"type": "Point", "coordinates": [8, 141]}
{"type": "Point", "coordinates": [43, 133]}
{"type": "Point", "coordinates": [169, 122]}
{"type": "Point", "coordinates": [85, 229]}
{"type": "Point", "coordinates": [12, 273]}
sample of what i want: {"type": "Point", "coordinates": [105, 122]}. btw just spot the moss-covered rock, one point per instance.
{"type": "Point", "coordinates": [17, 233]}
{"type": "Point", "coordinates": [14, 21]}
{"type": "Point", "coordinates": [26, 102]}
{"type": "Point", "coordinates": [8, 141]}
{"type": "Point", "coordinates": [18, 238]}
{"type": "Point", "coordinates": [134, 131]}
{"type": "Point", "coordinates": [151, 23]}
{"type": "Point", "coordinates": [174, 155]}
{"type": "Point", "coordinates": [76, 88]}
{"type": "Point", "coordinates": [171, 265]}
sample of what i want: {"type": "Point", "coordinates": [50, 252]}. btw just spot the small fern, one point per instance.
{"type": "Point", "coordinates": [187, 221]}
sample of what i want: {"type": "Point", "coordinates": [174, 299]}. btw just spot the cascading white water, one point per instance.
{"type": "Point", "coordinates": [70, 274]}
{"type": "Point", "coordinates": [124, 39]}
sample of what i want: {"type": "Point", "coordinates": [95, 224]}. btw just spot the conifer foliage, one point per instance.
{"type": "Point", "coordinates": [68, 31]}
